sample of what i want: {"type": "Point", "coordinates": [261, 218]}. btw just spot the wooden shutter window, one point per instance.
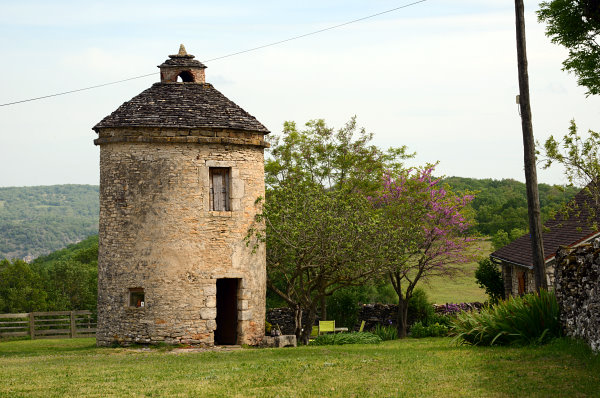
{"type": "Point", "coordinates": [219, 189]}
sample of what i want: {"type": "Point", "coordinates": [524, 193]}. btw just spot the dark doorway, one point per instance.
{"type": "Point", "coordinates": [226, 333]}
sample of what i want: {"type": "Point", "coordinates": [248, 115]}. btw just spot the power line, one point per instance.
{"type": "Point", "coordinates": [319, 31]}
{"type": "Point", "coordinates": [224, 56]}
{"type": "Point", "coordinates": [76, 90]}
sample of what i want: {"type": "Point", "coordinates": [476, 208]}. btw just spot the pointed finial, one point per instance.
{"type": "Point", "coordinates": [182, 50]}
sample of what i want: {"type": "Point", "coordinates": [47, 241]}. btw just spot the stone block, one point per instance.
{"type": "Point", "coordinates": [244, 315]}
{"type": "Point", "coordinates": [287, 340]}
{"type": "Point", "coordinates": [237, 188]}
{"type": "Point", "coordinates": [211, 325]}
{"type": "Point", "coordinates": [208, 313]}
{"type": "Point", "coordinates": [211, 301]}
{"type": "Point", "coordinates": [210, 290]}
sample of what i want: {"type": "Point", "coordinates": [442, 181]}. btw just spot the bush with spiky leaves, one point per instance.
{"type": "Point", "coordinates": [530, 319]}
{"type": "Point", "coordinates": [386, 332]}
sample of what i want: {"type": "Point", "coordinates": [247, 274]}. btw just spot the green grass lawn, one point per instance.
{"type": "Point", "coordinates": [402, 368]}
{"type": "Point", "coordinates": [463, 287]}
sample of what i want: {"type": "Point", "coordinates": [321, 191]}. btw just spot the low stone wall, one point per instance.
{"type": "Point", "coordinates": [452, 309]}
{"type": "Point", "coordinates": [372, 314]}
{"type": "Point", "coordinates": [577, 287]}
{"type": "Point", "coordinates": [386, 314]}
{"type": "Point", "coordinates": [377, 314]}
{"type": "Point", "coordinates": [284, 317]}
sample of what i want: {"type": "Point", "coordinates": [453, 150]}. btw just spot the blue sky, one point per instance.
{"type": "Point", "coordinates": [439, 76]}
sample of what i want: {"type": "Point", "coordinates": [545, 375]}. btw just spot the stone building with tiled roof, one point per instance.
{"type": "Point", "coordinates": [181, 167]}
{"type": "Point", "coordinates": [516, 257]}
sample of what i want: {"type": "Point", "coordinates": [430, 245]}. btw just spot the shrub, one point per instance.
{"type": "Point", "coordinates": [343, 304]}
{"type": "Point", "coordinates": [346, 338]}
{"type": "Point", "coordinates": [531, 319]}
{"type": "Point", "coordinates": [386, 332]}
{"type": "Point", "coordinates": [419, 307]}
{"type": "Point", "coordinates": [489, 278]}
{"type": "Point", "coordinates": [441, 319]}
{"type": "Point", "coordinates": [419, 330]}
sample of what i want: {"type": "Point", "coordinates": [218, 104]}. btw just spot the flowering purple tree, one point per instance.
{"type": "Point", "coordinates": [424, 225]}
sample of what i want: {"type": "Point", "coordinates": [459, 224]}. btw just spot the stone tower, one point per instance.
{"type": "Point", "coordinates": [180, 169]}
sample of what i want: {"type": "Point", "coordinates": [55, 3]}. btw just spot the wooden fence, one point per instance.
{"type": "Point", "coordinates": [48, 325]}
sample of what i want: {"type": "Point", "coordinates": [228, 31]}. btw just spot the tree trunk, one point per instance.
{"type": "Point", "coordinates": [323, 309]}
{"type": "Point", "coordinates": [402, 318]}
{"type": "Point", "coordinates": [298, 322]}
{"type": "Point", "coordinates": [310, 321]}
{"type": "Point", "coordinates": [533, 201]}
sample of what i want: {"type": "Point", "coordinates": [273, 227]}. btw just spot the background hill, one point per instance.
{"type": "Point", "coordinates": [37, 220]}
{"type": "Point", "coordinates": [502, 204]}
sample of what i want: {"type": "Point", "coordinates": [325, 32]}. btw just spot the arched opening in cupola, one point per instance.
{"type": "Point", "coordinates": [185, 76]}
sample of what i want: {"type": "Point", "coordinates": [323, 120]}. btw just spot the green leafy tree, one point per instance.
{"type": "Point", "coordinates": [500, 239]}
{"type": "Point", "coordinates": [502, 204]}
{"type": "Point", "coordinates": [21, 288]}
{"type": "Point", "coordinates": [424, 225]}
{"type": "Point", "coordinates": [320, 227]}
{"type": "Point", "coordinates": [575, 24]}
{"type": "Point", "coordinates": [344, 305]}
{"type": "Point", "coordinates": [581, 159]}
{"type": "Point", "coordinates": [72, 285]}
{"type": "Point", "coordinates": [503, 238]}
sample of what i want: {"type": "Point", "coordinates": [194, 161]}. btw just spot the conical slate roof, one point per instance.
{"type": "Point", "coordinates": [181, 105]}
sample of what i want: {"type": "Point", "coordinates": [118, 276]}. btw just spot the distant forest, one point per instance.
{"type": "Point", "coordinates": [35, 221]}
{"type": "Point", "coordinates": [502, 204]}
{"type": "Point", "coordinates": [64, 280]}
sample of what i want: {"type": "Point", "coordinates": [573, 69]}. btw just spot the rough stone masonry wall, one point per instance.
{"type": "Point", "coordinates": [372, 314]}
{"type": "Point", "coordinates": [157, 233]}
{"type": "Point", "coordinates": [285, 318]}
{"type": "Point", "coordinates": [577, 278]}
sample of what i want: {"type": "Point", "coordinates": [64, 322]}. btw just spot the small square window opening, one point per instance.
{"type": "Point", "coordinates": [136, 297]}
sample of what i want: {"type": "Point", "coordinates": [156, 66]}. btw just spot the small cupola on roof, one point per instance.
{"type": "Point", "coordinates": [191, 104]}
{"type": "Point", "coordinates": [183, 66]}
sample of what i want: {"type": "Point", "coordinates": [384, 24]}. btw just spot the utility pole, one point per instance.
{"type": "Point", "coordinates": [533, 200]}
